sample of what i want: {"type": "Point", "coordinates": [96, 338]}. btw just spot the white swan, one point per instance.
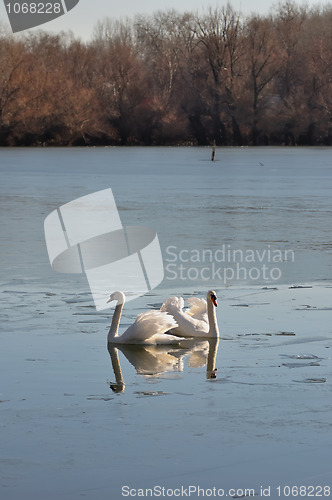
{"type": "Point", "coordinates": [149, 327]}
{"type": "Point", "coordinates": [198, 321]}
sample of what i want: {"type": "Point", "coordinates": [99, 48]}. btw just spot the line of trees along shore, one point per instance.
{"type": "Point", "coordinates": [173, 78]}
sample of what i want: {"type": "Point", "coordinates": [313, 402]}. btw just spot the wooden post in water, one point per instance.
{"type": "Point", "coordinates": [213, 151]}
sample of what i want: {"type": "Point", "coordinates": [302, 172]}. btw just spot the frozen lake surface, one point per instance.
{"type": "Point", "coordinates": [81, 421]}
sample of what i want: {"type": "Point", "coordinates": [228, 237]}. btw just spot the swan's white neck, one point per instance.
{"type": "Point", "coordinates": [214, 329]}
{"type": "Point", "coordinates": [113, 331]}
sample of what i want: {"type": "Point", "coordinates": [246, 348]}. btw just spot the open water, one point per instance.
{"type": "Point", "coordinates": [81, 421]}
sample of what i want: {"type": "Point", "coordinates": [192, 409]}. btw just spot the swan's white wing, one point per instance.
{"type": "Point", "coordinates": [188, 326]}
{"type": "Point", "coordinates": [147, 325]}
{"type": "Point", "coordinates": [198, 309]}
{"type": "Point", "coordinates": [173, 305]}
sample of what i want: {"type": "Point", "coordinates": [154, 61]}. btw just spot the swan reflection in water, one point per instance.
{"type": "Point", "coordinates": [156, 360]}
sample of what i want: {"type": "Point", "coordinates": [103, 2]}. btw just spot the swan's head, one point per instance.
{"type": "Point", "coordinates": [212, 296]}
{"type": "Point", "coordinates": [118, 296]}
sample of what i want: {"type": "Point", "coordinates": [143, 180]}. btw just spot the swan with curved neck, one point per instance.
{"type": "Point", "coordinates": [199, 320]}
{"type": "Point", "coordinates": [149, 327]}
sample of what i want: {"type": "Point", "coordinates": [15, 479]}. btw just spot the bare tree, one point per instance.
{"type": "Point", "coordinates": [173, 78]}
{"type": "Point", "coordinates": [260, 67]}
{"type": "Point", "coordinates": [219, 35]}
{"type": "Point", "coordinates": [120, 77]}
{"type": "Point", "coordinates": [289, 20]}
{"type": "Point", "coordinates": [316, 46]}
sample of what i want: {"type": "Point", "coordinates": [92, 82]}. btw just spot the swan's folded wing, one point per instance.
{"type": "Point", "coordinates": [173, 305]}
{"type": "Point", "coordinates": [188, 326]}
{"type": "Point", "coordinates": [149, 324]}
{"type": "Point", "coordinates": [197, 309]}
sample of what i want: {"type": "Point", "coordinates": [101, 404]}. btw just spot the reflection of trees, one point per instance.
{"type": "Point", "coordinates": [156, 360]}
{"type": "Point", "coordinates": [173, 77]}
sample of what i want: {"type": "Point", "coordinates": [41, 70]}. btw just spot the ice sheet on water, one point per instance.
{"type": "Point", "coordinates": [301, 360]}
{"type": "Point", "coordinates": [299, 365]}
{"type": "Point", "coordinates": [321, 380]}
{"type": "Point", "coordinates": [300, 356]}
{"type": "Point", "coordinates": [99, 398]}
{"type": "Point", "coordinates": [249, 423]}
{"type": "Point", "coordinates": [151, 393]}
{"type": "Point", "coordinates": [78, 300]}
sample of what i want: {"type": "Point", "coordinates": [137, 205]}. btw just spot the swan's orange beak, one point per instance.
{"type": "Point", "coordinates": [214, 300]}
{"type": "Point", "coordinates": [110, 299]}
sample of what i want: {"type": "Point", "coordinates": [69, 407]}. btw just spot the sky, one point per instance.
{"type": "Point", "coordinates": [82, 19]}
